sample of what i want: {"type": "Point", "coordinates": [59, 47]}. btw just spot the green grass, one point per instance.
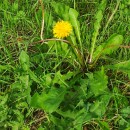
{"type": "Point", "coordinates": [51, 85]}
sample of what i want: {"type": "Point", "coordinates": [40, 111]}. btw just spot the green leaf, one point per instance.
{"type": "Point", "coordinates": [24, 78]}
{"type": "Point", "coordinates": [72, 38]}
{"type": "Point", "coordinates": [128, 128]}
{"type": "Point", "coordinates": [80, 118]}
{"type": "Point", "coordinates": [99, 107]}
{"type": "Point", "coordinates": [59, 123]}
{"type": "Point", "coordinates": [40, 128]}
{"type": "Point", "coordinates": [49, 101]}
{"type": "Point", "coordinates": [97, 82]}
{"type": "Point", "coordinates": [5, 67]}
{"type": "Point", "coordinates": [122, 66]}
{"type": "Point", "coordinates": [24, 60]}
{"type": "Point", "coordinates": [47, 80]}
{"type": "Point", "coordinates": [66, 114]}
{"type": "Point", "coordinates": [125, 111]}
{"type": "Point", "coordinates": [98, 18]}
{"type": "Point", "coordinates": [104, 125]}
{"type": "Point", "coordinates": [73, 14]}
{"type": "Point", "coordinates": [16, 86]}
{"type": "Point", "coordinates": [3, 109]}
{"type": "Point", "coordinates": [59, 78]}
{"type": "Point", "coordinates": [111, 45]}
{"type": "Point", "coordinates": [26, 85]}
{"type": "Point", "coordinates": [36, 101]}
{"type": "Point", "coordinates": [61, 9]}
{"type": "Point", "coordinates": [33, 76]}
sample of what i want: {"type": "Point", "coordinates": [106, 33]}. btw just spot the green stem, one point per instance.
{"type": "Point", "coordinates": [42, 28]}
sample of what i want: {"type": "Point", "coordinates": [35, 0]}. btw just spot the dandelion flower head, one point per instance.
{"type": "Point", "coordinates": [62, 29]}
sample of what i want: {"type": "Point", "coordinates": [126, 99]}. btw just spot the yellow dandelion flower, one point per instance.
{"type": "Point", "coordinates": [62, 29]}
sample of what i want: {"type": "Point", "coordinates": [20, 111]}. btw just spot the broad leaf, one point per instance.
{"type": "Point", "coordinates": [49, 101]}
{"type": "Point", "coordinates": [61, 79]}
{"type": "Point", "coordinates": [24, 60]}
{"type": "Point", "coordinates": [112, 44]}
{"type": "Point", "coordinates": [66, 114]}
{"type": "Point", "coordinates": [99, 107]}
{"type": "Point", "coordinates": [24, 78]}
{"type": "Point", "coordinates": [97, 82]}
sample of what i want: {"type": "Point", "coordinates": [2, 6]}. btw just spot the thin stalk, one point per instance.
{"type": "Point", "coordinates": [42, 28]}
